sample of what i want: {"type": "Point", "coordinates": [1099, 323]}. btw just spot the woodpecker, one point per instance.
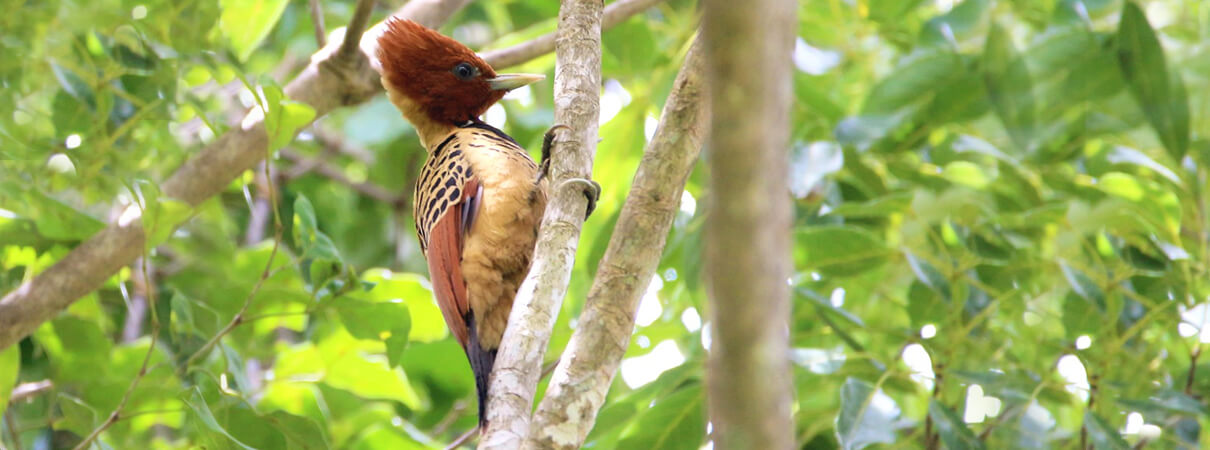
{"type": "Point", "coordinates": [479, 197]}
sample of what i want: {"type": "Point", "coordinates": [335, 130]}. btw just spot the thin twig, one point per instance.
{"type": "Point", "coordinates": [317, 19]}
{"type": "Point", "coordinates": [336, 143]}
{"type": "Point", "coordinates": [318, 166]}
{"type": "Point", "coordinates": [265, 274]}
{"type": "Point", "coordinates": [357, 27]}
{"type": "Point", "coordinates": [1189, 379]}
{"type": "Point", "coordinates": [28, 390]}
{"type": "Point", "coordinates": [452, 416]}
{"type": "Point", "coordinates": [463, 438]}
{"type": "Point", "coordinates": [10, 420]}
{"type": "Point", "coordinates": [614, 14]}
{"type": "Point", "coordinates": [155, 333]}
{"type": "Point", "coordinates": [260, 210]}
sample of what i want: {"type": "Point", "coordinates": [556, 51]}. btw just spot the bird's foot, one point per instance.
{"type": "Point", "coordinates": [592, 191]}
{"type": "Point", "coordinates": [548, 141]}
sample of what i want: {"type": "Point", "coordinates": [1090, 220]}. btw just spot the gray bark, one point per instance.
{"type": "Point", "coordinates": [580, 382]}
{"type": "Point", "coordinates": [577, 105]}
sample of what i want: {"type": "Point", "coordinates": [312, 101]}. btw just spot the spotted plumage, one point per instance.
{"type": "Point", "coordinates": [479, 197]}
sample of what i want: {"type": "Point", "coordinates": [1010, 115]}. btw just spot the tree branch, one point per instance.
{"type": "Point", "coordinates": [333, 173]}
{"type": "Point", "coordinates": [24, 391]}
{"type": "Point", "coordinates": [356, 28]}
{"type": "Point", "coordinates": [317, 21]}
{"type": "Point", "coordinates": [747, 237]}
{"type": "Point", "coordinates": [615, 13]}
{"type": "Point", "coordinates": [325, 84]}
{"type": "Point", "coordinates": [577, 106]}
{"type": "Point", "coordinates": [581, 380]}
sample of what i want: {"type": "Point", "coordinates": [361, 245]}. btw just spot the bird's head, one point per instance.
{"type": "Point", "coordinates": [438, 76]}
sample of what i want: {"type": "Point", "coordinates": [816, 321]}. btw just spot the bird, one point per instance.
{"type": "Point", "coordinates": [479, 197]}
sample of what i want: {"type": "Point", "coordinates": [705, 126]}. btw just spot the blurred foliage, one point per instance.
{"type": "Point", "coordinates": [1001, 234]}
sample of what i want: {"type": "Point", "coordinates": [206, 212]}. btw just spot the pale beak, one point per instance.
{"type": "Point", "coordinates": [510, 81]}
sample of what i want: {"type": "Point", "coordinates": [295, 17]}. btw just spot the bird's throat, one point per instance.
{"type": "Point", "coordinates": [430, 131]}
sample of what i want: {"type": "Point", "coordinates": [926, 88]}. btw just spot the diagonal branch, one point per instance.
{"type": "Point", "coordinates": [357, 27]}
{"type": "Point", "coordinates": [581, 380]}
{"type": "Point", "coordinates": [325, 84]}
{"type": "Point", "coordinates": [615, 13]}
{"type": "Point", "coordinates": [317, 21]}
{"type": "Point", "coordinates": [577, 106]}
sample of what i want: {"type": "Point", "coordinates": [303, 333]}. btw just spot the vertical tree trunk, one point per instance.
{"type": "Point", "coordinates": [749, 67]}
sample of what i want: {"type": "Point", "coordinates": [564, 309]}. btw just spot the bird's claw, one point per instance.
{"type": "Point", "coordinates": [548, 141]}
{"type": "Point", "coordinates": [592, 191]}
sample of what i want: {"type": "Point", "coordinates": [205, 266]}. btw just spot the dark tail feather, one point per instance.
{"type": "Point", "coordinates": [482, 361]}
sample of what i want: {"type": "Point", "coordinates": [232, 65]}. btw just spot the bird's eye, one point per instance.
{"type": "Point", "coordinates": [465, 71]}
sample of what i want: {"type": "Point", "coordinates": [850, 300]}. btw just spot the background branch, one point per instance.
{"type": "Point", "coordinates": [317, 21]}
{"type": "Point", "coordinates": [615, 13]}
{"type": "Point", "coordinates": [357, 27]}
{"type": "Point", "coordinates": [577, 105]}
{"type": "Point", "coordinates": [748, 225]}
{"type": "Point", "coordinates": [580, 382]}
{"type": "Point", "coordinates": [323, 85]}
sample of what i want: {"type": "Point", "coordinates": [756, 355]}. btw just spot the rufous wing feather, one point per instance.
{"type": "Point", "coordinates": [445, 260]}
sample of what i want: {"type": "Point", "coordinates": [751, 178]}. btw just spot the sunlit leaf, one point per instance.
{"type": "Point", "coordinates": [838, 251]}
{"type": "Point", "coordinates": [10, 364]}
{"type": "Point", "coordinates": [682, 416]}
{"type": "Point", "coordinates": [245, 23]}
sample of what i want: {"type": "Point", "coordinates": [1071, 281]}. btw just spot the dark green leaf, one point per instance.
{"type": "Point", "coordinates": [1102, 434]}
{"type": "Point", "coordinates": [1010, 86]}
{"type": "Point", "coordinates": [198, 404]}
{"type": "Point", "coordinates": [301, 432]}
{"type": "Point", "coordinates": [1160, 94]}
{"type": "Point", "coordinates": [952, 428]}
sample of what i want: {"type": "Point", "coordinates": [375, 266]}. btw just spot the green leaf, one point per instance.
{"type": "Point", "coordinates": [1084, 286]}
{"type": "Point", "coordinates": [284, 117]}
{"type": "Point", "coordinates": [300, 432]}
{"type": "Point", "coordinates": [198, 404]}
{"type": "Point", "coordinates": [929, 275]}
{"type": "Point", "coordinates": [160, 214]}
{"type": "Point", "coordinates": [1102, 434]}
{"type": "Point", "coordinates": [1161, 95]}
{"type": "Point", "coordinates": [838, 251]}
{"type": "Point", "coordinates": [78, 417]}
{"type": "Point", "coordinates": [952, 428]}
{"type": "Point", "coordinates": [860, 423]}
{"type": "Point", "coordinates": [245, 23]}
{"type": "Point", "coordinates": [368, 320]}
{"type": "Point", "coordinates": [427, 324]}
{"type": "Point", "coordinates": [314, 243]}
{"type": "Point", "coordinates": [680, 420]}
{"type": "Point", "coordinates": [59, 221]}
{"type": "Point", "coordinates": [1009, 86]}
{"type": "Point", "coordinates": [10, 366]}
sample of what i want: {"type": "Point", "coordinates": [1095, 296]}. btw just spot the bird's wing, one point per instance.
{"type": "Point", "coordinates": [445, 259]}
